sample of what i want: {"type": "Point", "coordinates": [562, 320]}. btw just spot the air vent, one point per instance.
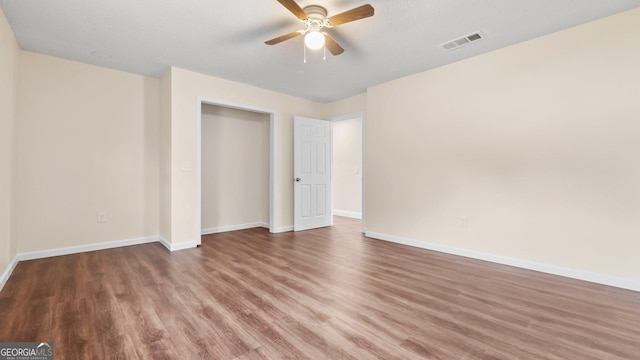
{"type": "Point", "coordinates": [463, 41]}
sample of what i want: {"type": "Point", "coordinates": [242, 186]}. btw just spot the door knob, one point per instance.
{"type": "Point", "coordinates": [298, 179]}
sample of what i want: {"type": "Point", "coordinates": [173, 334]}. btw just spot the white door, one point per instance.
{"type": "Point", "coordinates": [311, 171]}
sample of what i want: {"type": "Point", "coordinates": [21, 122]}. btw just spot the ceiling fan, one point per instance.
{"type": "Point", "coordinates": [314, 18]}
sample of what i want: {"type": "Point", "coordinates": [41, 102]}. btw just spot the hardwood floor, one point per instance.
{"type": "Point", "coordinates": [321, 294]}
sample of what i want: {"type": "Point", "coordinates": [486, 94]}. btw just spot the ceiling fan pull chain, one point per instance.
{"type": "Point", "coordinates": [304, 50]}
{"type": "Point", "coordinates": [324, 50]}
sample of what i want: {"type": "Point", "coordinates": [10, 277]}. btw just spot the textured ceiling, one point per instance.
{"type": "Point", "coordinates": [226, 38]}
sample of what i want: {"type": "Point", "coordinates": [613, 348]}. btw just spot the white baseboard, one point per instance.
{"type": "Point", "coordinates": [215, 230]}
{"type": "Point", "coordinates": [282, 229]}
{"type": "Point", "coordinates": [84, 248]}
{"type": "Point", "coordinates": [177, 246]}
{"type": "Point", "coordinates": [625, 283]}
{"type": "Point", "coordinates": [164, 242]}
{"type": "Point", "coordinates": [184, 245]}
{"type": "Point", "coordinates": [7, 272]}
{"type": "Point", "coordinates": [91, 247]}
{"type": "Point", "coordinates": [32, 255]}
{"type": "Point", "coordinates": [349, 214]}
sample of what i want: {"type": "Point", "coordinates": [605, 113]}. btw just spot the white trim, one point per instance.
{"type": "Point", "coordinates": [105, 245]}
{"type": "Point", "coordinates": [84, 248]}
{"type": "Point", "coordinates": [7, 272]}
{"type": "Point", "coordinates": [625, 283]}
{"type": "Point", "coordinates": [198, 170]}
{"type": "Point", "coordinates": [273, 154]}
{"type": "Point", "coordinates": [164, 242]}
{"type": "Point", "coordinates": [355, 115]}
{"type": "Point", "coordinates": [273, 166]}
{"type": "Point", "coordinates": [220, 229]}
{"type": "Point", "coordinates": [178, 246]}
{"type": "Point", "coordinates": [32, 255]}
{"type": "Point", "coordinates": [361, 115]}
{"type": "Point", "coordinates": [282, 229]}
{"type": "Point", "coordinates": [184, 245]}
{"type": "Point", "coordinates": [349, 214]}
{"type": "Point", "coordinates": [363, 171]}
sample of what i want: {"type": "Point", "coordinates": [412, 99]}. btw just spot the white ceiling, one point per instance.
{"type": "Point", "coordinates": [226, 38]}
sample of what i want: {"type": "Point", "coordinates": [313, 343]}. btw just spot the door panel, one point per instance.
{"type": "Point", "coordinates": [312, 164]}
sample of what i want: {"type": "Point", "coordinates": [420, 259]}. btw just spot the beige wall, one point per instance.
{"type": "Point", "coordinates": [165, 157]}
{"type": "Point", "coordinates": [528, 152]}
{"type": "Point", "coordinates": [347, 166]}
{"type": "Point", "coordinates": [235, 167]}
{"type": "Point", "coordinates": [350, 105]}
{"type": "Point", "coordinates": [8, 68]}
{"type": "Point", "coordinates": [88, 142]}
{"type": "Point", "coordinates": [186, 87]}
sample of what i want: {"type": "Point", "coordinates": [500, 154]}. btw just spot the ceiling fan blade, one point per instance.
{"type": "Point", "coordinates": [358, 13]}
{"type": "Point", "coordinates": [331, 44]}
{"type": "Point", "coordinates": [282, 38]}
{"type": "Point", "coordinates": [295, 9]}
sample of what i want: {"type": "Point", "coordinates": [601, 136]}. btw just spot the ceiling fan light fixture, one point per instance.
{"type": "Point", "coordinates": [315, 21]}
{"type": "Point", "coordinates": [314, 40]}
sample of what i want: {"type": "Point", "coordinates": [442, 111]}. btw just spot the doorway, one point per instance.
{"type": "Point", "coordinates": [348, 159]}
{"type": "Point", "coordinates": [347, 168]}
{"type": "Point", "coordinates": [236, 160]}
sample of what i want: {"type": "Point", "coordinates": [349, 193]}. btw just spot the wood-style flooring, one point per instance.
{"type": "Point", "coordinates": [322, 294]}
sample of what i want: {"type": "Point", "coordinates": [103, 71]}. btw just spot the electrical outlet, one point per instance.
{"type": "Point", "coordinates": [102, 217]}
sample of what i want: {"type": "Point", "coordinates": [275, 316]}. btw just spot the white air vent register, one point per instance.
{"type": "Point", "coordinates": [465, 40]}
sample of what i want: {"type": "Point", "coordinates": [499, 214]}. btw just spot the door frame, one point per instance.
{"type": "Point", "coordinates": [273, 141]}
{"type": "Point", "coordinates": [333, 119]}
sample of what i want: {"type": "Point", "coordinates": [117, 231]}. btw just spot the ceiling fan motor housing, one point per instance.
{"type": "Point", "coordinates": [315, 12]}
